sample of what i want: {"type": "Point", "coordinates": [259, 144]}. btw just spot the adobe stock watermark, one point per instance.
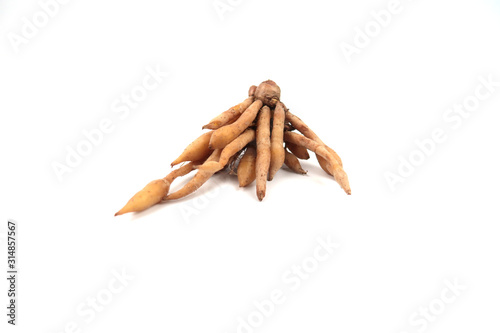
{"type": "Point", "coordinates": [90, 308]}
{"type": "Point", "coordinates": [421, 319]}
{"type": "Point", "coordinates": [30, 27]}
{"type": "Point", "coordinates": [222, 7]}
{"type": "Point", "coordinates": [292, 278]}
{"type": "Point", "coordinates": [379, 20]}
{"type": "Point", "coordinates": [122, 107]}
{"type": "Point", "coordinates": [191, 209]}
{"type": "Point", "coordinates": [453, 118]}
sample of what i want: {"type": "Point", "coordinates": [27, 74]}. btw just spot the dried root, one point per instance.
{"type": "Point", "coordinates": [199, 179]}
{"type": "Point", "coordinates": [277, 149]}
{"type": "Point", "coordinates": [197, 150]}
{"type": "Point", "coordinates": [253, 140]}
{"type": "Point", "coordinates": [292, 162]}
{"type": "Point", "coordinates": [224, 135]}
{"type": "Point", "coordinates": [298, 151]}
{"type": "Point", "coordinates": [263, 151]}
{"type": "Point", "coordinates": [229, 116]}
{"type": "Point", "coordinates": [246, 168]}
{"type": "Point", "coordinates": [332, 165]}
{"type": "Point", "coordinates": [150, 195]}
{"type": "Point", "coordinates": [304, 129]}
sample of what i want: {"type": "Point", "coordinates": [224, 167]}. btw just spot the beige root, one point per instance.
{"type": "Point", "coordinates": [242, 138]}
{"type": "Point", "coordinates": [268, 92]}
{"type": "Point", "coordinates": [216, 162]}
{"type": "Point", "coordinates": [224, 135]}
{"type": "Point", "coordinates": [251, 91]}
{"type": "Point", "coordinates": [246, 168]}
{"type": "Point", "coordinates": [230, 115]}
{"type": "Point", "coordinates": [182, 171]}
{"type": "Point", "coordinates": [309, 133]}
{"type": "Point", "coordinates": [332, 164]}
{"type": "Point", "coordinates": [196, 150]}
{"type": "Point", "coordinates": [292, 162]}
{"type": "Point", "coordinates": [298, 151]}
{"type": "Point", "coordinates": [277, 149]}
{"type": "Point", "coordinates": [150, 195]}
{"type": "Point", "coordinates": [263, 151]}
{"type": "Point", "coordinates": [236, 145]}
{"type": "Point", "coordinates": [195, 183]}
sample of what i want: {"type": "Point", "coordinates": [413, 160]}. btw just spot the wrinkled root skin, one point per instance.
{"type": "Point", "coordinates": [253, 140]}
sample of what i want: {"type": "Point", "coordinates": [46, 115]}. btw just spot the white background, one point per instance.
{"type": "Point", "coordinates": [199, 271]}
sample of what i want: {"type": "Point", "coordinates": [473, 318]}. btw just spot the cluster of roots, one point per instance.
{"type": "Point", "coordinates": [252, 140]}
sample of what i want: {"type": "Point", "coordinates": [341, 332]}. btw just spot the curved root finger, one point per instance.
{"type": "Point", "coordinates": [332, 164]}
{"type": "Point", "coordinates": [309, 133]}
{"type": "Point", "coordinates": [292, 162]}
{"type": "Point", "coordinates": [224, 135]}
{"type": "Point", "coordinates": [298, 151]}
{"type": "Point", "coordinates": [246, 168]}
{"type": "Point", "coordinates": [196, 150]}
{"type": "Point", "coordinates": [229, 116]}
{"type": "Point", "coordinates": [277, 149]}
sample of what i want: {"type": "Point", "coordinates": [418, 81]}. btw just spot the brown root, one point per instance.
{"type": "Point", "coordinates": [292, 162]}
{"type": "Point", "coordinates": [229, 116]}
{"type": "Point", "coordinates": [224, 135]}
{"type": "Point", "coordinates": [149, 196]}
{"type": "Point", "coordinates": [251, 91]}
{"type": "Point", "coordinates": [298, 151]}
{"type": "Point", "coordinates": [196, 150]}
{"type": "Point", "coordinates": [263, 159]}
{"type": "Point", "coordinates": [268, 92]}
{"type": "Point", "coordinates": [246, 168]}
{"type": "Point", "coordinates": [332, 166]}
{"type": "Point", "coordinates": [197, 181]}
{"type": "Point", "coordinates": [277, 149]}
{"type": "Point", "coordinates": [309, 133]}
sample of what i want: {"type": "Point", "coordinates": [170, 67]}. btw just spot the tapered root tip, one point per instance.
{"type": "Point", "coordinates": [211, 126]}
{"type": "Point", "coordinates": [261, 195]}
{"type": "Point", "coordinates": [122, 211]}
{"type": "Point", "coordinates": [150, 195]}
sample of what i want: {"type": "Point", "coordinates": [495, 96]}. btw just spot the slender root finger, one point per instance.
{"type": "Point", "coordinates": [229, 116]}
{"type": "Point", "coordinates": [198, 179]}
{"type": "Point", "coordinates": [224, 135]}
{"type": "Point", "coordinates": [277, 149]}
{"type": "Point", "coordinates": [292, 162]}
{"type": "Point", "coordinates": [246, 168]}
{"type": "Point", "coordinates": [309, 133]}
{"type": "Point", "coordinates": [150, 195]}
{"type": "Point", "coordinates": [298, 151]}
{"type": "Point", "coordinates": [332, 166]}
{"type": "Point", "coordinates": [232, 148]}
{"type": "Point", "coordinates": [196, 150]}
{"type": "Point", "coordinates": [263, 159]}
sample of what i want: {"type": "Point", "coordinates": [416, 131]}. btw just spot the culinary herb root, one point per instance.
{"type": "Point", "coordinates": [253, 140]}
